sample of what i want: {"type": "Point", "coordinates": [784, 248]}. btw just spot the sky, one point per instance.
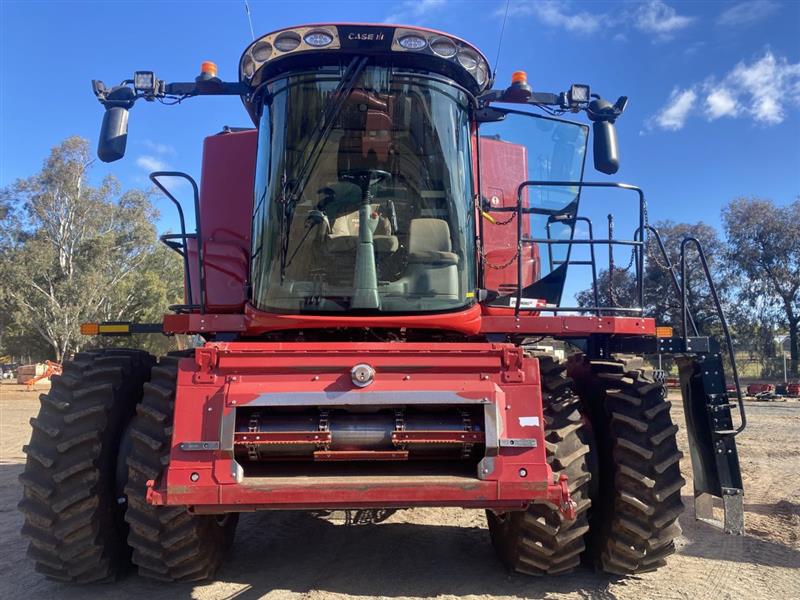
{"type": "Point", "coordinates": [714, 87]}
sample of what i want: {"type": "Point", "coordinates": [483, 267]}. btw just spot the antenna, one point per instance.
{"type": "Point", "coordinates": [250, 20]}
{"type": "Point", "coordinates": [499, 41]}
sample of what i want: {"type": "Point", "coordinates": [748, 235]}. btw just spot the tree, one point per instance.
{"type": "Point", "coordinates": [71, 252]}
{"type": "Point", "coordinates": [764, 244]}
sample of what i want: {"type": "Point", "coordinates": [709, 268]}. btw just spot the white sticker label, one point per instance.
{"type": "Point", "coordinates": [529, 421]}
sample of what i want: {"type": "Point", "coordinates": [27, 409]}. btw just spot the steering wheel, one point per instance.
{"type": "Point", "coordinates": [366, 179]}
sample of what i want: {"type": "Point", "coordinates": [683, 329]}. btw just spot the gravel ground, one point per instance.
{"type": "Point", "coordinates": [445, 553]}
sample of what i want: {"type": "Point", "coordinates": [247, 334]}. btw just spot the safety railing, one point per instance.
{"type": "Point", "coordinates": [180, 241]}
{"type": "Point", "coordinates": [564, 216]}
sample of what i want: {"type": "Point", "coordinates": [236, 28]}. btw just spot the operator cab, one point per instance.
{"type": "Point", "coordinates": [364, 183]}
{"type": "Point", "coordinates": [383, 220]}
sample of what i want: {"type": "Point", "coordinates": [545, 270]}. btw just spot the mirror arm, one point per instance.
{"type": "Point", "coordinates": [535, 98]}
{"type": "Point", "coordinates": [210, 87]}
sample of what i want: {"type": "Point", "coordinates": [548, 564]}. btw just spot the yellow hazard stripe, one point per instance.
{"type": "Point", "coordinates": [114, 328]}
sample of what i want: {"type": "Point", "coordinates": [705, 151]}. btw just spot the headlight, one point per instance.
{"type": "Point", "coordinates": [248, 66]}
{"type": "Point", "coordinates": [443, 47]}
{"type": "Point", "coordinates": [318, 38]}
{"type": "Point", "coordinates": [412, 42]}
{"type": "Point", "coordinates": [481, 74]}
{"type": "Point", "coordinates": [286, 42]}
{"type": "Point", "coordinates": [262, 51]}
{"type": "Point", "coordinates": [468, 60]}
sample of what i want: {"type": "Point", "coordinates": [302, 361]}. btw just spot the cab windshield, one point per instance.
{"type": "Point", "coordinates": [375, 214]}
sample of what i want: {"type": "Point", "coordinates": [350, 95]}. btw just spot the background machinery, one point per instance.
{"type": "Point", "coordinates": [376, 272]}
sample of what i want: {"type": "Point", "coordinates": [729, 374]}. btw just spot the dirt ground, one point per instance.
{"type": "Point", "coordinates": [445, 553]}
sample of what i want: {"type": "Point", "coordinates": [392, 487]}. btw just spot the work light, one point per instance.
{"type": "Point", "coordinates": [412, 42]}
{"type": "Point", "coordinates": [578, 93]}
{"type": "Point", "coordinates": [318, 38]}
{"type": "Point", "coordinates": [144, 81]}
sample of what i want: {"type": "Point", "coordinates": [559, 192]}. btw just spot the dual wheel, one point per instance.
{"type": "Point", "coordinates": [102, 432]}
{"type": "Point", "coordinates": [608, 428]}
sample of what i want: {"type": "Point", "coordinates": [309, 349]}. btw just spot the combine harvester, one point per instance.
{"type": "Point", "coordinates": [377, 271]}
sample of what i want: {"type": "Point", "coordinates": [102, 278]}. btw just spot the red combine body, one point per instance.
{"type": "Point", "coordinates": [376, 275]}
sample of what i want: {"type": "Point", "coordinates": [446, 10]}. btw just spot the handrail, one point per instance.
{"type": "Point", "coordinates": [184, 236]}
{"type": "Point", "coordinates": [592, 259]}
{"type": "Point", "coordinates": [671, 268]}
{"type": "Point", "coordinates": [723, 322]}
{"type": "Point", "coordinates": [579, 184]}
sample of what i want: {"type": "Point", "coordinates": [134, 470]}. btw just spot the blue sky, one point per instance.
{"type": "Point", "coordinates": [714, 87]}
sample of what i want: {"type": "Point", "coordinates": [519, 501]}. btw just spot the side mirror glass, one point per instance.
{"type": "Point", "coordinates": [606, 152]}
{"type": "Point", "coordinates": [113, 134]}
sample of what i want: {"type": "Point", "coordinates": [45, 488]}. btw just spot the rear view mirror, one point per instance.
{"type": "Point", "coordinates": [113, 134]}
{"type": "Point", "coordinates": [606, 152]}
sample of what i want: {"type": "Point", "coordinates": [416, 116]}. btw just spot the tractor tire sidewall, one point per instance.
{"type": "Point", "coordinates": [169, 543]}
{"type": "Point", "coordinates": [539, 540]}
{"type": "Point", "coordinates": [618, 527]}
{"type": "Point", "coordinates": [73, 518]}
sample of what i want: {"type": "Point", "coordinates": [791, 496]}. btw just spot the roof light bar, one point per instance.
{"type": "Point", "coordinates": [372, 39]}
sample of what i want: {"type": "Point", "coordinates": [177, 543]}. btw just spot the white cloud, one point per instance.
{"type": "Point", "coordinates": [747, 13]}
{"type": "Point", "coordinates": [151, 163]}
{"type": "Point", "coordinates": [411, 11]}
{"type": "Point", "coordinates": [557, 14]}
{"type": "Point", "coordinates": [763, 90]}
{"type": "Point", "coordinates": [674, 114]}
{"type": "Point", "coordinates": [767, 85]}
{"type": "Point", "coordinates": [653, 18]}
{"type": "Point", "coordinates": [720, 103]}
{"type": "Point", "coordinates": [661, 19]}
{"type": "Point", "coordinates": [158, 147]}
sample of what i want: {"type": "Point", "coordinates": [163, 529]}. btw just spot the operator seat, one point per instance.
{"type": "Point", "coordinates": [432, 264]}
{"type": "Point", "coordinates": [429, 242]}
{"type": "Point", "coordinates": [343, 237]}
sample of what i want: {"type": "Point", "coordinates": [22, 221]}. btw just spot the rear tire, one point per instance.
{"type": "Point", "coordinates": [636, 507]}
{"type": "Point", "coordinates": [73, 520]}
{"type": "Point", "coordinates": [169, 543]}
{"type": "Point", "coordinates": [539, 540]}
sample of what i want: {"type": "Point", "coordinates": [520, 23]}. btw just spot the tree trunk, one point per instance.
{"type": "Point", "coordinates": [794, 347]}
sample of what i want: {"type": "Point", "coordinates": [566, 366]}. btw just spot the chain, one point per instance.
{"type": "Point", "coordinates": [507, 221]}
{"type": "Point", "coordinates": [509, 262]}
{"type": "Point", "coordinates": [645, 248]}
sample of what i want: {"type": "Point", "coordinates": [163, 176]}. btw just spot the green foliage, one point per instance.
{"type": "Point", "coordinates": [764, 246]}
{"type": "Point", "coordinates": [71, 253]}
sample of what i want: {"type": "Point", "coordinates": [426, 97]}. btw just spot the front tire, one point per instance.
{"type": "Point", "coordinates": [539, 540]}
{"type": "Point", "coordinates": [73, 519]}
{"type": "Point", "coordinates": [169, 543]}
{"type": "Point", "coordinates": [636, 507]}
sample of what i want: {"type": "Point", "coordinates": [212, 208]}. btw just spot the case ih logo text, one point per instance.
{"type": "Point", "coordinates": [370, 37]}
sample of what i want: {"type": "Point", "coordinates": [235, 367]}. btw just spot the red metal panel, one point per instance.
{"type": "Point", "coordinates": [465, 321]}
{"type": "Point", "coordinates": [226, 205]}
{"type": "Point", "coordinates": [208, 323]}
{"type": "Point", "coordinates": [223, 377]}
{"type": "Point", "coordinates": [504, 166]}
{"type": "Point", "coordinates": [502, 320]}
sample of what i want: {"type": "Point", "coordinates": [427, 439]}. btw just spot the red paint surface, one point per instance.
{"type": "Point", "coordinates": [503, 167]}
{"type": "Point", "coordinates": [226, 206]}
{"type": "Point", "coordinates": [223, 377]}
